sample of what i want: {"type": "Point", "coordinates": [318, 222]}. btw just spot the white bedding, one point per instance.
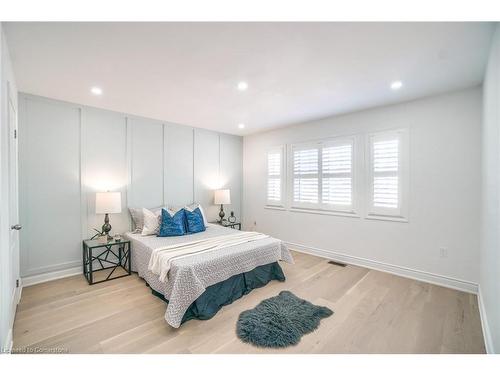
{"type": "Point", "coordinates": [162, 257]}
{"type": "Point", "coordinates": [189, 276]}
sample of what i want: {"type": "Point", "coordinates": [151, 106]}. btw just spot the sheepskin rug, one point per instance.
{"type": "Point", "coordinates": [280, 321]}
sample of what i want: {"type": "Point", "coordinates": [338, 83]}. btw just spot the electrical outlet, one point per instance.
{"type": "Point", "coordinates": [443, 252]}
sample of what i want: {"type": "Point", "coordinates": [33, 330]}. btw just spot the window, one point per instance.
{"type": "Point", "coordinates": [275, 177]}
{"type": "Point", "coordinates": [326, 176]}
{"type": "Point", "coordinates": [387, 174]}
{"type": "Point", "coordinates": [322, 175]}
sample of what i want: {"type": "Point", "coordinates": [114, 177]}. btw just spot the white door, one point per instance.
{"type": "Point", "coordinates": [13, 198]}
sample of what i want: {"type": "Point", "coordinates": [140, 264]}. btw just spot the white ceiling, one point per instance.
{"type": "Point", "coordinates": [187, 72]}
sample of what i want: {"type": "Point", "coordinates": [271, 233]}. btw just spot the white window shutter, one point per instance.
{"type": "Point", "coordinates": [337, 174]}
{"type": "Point", "coordinates": [388, 174]}
{"type": "Point", "coordinates": [274, 190]}
{"type": "Point", "coordinates": [323, 175]}
{"type": "Point", "coordinates": [275, 177]}
{"type": "Point", "coordinates": [305, 175]}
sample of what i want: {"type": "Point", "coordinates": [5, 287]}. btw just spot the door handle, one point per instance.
{"type": "Point", "coordinates": [16, 227]}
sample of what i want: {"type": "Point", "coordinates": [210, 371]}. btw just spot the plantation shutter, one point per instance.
{"type": "Point", "coordinates": [305, 175]}
{"type": "Point", "coordinates": [274, 177]}
{"type": "Point", "coordinates": [337, 174]}
{"type": "Point", "coordinates": [386, 167]}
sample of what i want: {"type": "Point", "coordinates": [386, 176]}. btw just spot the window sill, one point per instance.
{"type": "Point", "coordinates": [279, 208]}
{"type": "Point", "coordinates": [400, 219]}
{"type": "Point", "coordinates": [324, 212]}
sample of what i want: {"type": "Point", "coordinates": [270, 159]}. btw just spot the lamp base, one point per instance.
{"type": "Point", "coordinates": [106, 227]}
{"type": "Point", "coordinates": [221, 214]}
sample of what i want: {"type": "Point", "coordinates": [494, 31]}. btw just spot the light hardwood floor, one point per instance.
{"type": "Point", "coordinates": [375, 312]}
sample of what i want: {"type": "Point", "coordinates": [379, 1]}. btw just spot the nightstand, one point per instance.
{"type": "Point", "coordinates": [228, 224]}
{"type": "Point", "coordinates": [113, 259]}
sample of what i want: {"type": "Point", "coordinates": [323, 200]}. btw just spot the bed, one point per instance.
{"type": "Point", "coordinates": [198, 285]}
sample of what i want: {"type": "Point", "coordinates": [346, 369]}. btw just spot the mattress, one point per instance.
{"type": "Point", "coordinates": [190, 276]}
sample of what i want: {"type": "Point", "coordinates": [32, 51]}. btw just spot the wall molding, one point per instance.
{"type": "Point", "coordinates": [42, 278]}
{"type": "Point", "coordinates": [86, 153]}
{"type": "Point", "coordinates": [432, 278]}
{"type": "Point", "coordinates": [488, 340]}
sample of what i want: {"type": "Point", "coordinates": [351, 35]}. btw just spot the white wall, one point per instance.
{"type": "Point", "coordinates": [7, 261]}
{"type": "Point", "coordinates": [444, 134]}
{"type": "Point", "coordinates": [490, 251]}
{"type": "Point", "coordinates": [68, 152]}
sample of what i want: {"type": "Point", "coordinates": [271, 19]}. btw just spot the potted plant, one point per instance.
{"type": "Point", "coordinates": [100, 236]}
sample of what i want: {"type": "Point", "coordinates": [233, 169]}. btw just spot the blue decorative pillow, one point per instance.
{"type": "Point", "coordinates": [172, 225]}
{"type": "Point", "coordinates": [194, 221]}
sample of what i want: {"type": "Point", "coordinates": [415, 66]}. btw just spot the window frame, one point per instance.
{"type": "Point", "coordinates": [281, 203]}
{"type": "Point", "coordinates": [385, 213]}
{"type": "Point", "coordinates": [322, 208]}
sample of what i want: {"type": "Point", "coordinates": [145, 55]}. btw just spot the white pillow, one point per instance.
{"type": "Point", "coordinates": [151, 222]}
{"type": "Point", "coordinates": [193, 206]}
{"type": "Point", "coordinates": [138, 217]}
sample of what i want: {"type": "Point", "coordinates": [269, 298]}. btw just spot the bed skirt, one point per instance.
{"type": "Point", "coordinates": [226, 292]}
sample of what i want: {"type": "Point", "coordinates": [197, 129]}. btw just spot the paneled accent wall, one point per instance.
{"type": "Point", "coordinates": [68, 152]}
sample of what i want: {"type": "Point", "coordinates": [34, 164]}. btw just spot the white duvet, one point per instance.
{"type": "Point", "coordinates": [162, 257]}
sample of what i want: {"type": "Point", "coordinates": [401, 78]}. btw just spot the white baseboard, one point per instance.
{"type": "Point", "coordinates": [19, 292]}
{"type": "Point", "coordinates": [53, 267]}
{"type": "Point", "coordinates": [488, 341]}
{"type": "Point", "coordinates": [11, 340]}
{"type": "Point", "coordinates": [7, 342]}
{"type": "Point", "coordinates": [6, 345]}
{"type": "Point", "coordinates": [449, 282]}
{"type": "Point", "coordinates": [16, 297]}
{"type": "Point", "coordinates": [44, 277]}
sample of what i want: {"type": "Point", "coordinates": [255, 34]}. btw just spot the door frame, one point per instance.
{"type": "Point", "coordinates": [14, 199]}
{"type": "Point", "coordinates": [10, 293]}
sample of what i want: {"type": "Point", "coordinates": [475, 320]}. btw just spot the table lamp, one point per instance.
{"type": "Point", "coordinates": [222, 197]}
{"type": "Point", "coordinates": [108, 203]}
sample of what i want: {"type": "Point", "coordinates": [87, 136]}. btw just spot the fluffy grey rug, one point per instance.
{"type": "Point", "coordinates": [280, 321]}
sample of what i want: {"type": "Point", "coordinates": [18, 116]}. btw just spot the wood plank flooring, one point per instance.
{"type": "Point", "coordinates": [375, 312]}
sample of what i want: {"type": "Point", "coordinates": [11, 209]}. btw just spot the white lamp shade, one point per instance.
{"type": "Point", "coordinates": [108, 203]}
{"type": "Point", "coordinates": [222, 196]}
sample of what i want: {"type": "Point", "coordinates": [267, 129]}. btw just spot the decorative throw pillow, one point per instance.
{"type": "Point", "coordinates": [137, 220]}
{"type": "Point", "coordinates": [151, 223]}
{"type": "Point", "coordinates": [172, 224]}
{"type": "Point", "coordinates": [194, 206]}
{"type": "Point", "coordinates": [194, 220]}
{"type": "Point", "coordinates": [138, 217]}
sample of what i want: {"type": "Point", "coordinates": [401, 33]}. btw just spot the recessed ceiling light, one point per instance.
{"type": "Point", "coordinates": [242, 86]}
{"type": "Point", "coordinates": [96, 90]}
{"type": "Point", "coordinates": [396, 85]}
{"type": "Point", "coordinates": [241, 126]}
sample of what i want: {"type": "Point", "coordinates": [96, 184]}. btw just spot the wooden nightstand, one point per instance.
{"type": "Point", "coordinates": [113, 256]}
